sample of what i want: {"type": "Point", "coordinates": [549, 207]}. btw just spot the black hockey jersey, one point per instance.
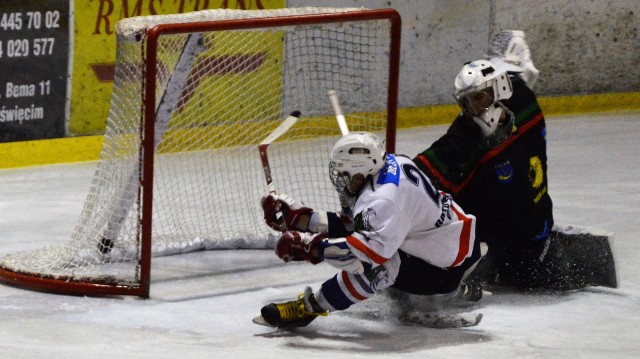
{"type": "Point", "coordinates": [505, 187]}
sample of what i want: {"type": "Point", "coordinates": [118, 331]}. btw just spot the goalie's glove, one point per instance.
{"type": "Point", "coordinates": [282, 213]}
{"type": "Point", "coordinates": [296, 246]}
{"type": "Point", "coordinates": [510, 47]}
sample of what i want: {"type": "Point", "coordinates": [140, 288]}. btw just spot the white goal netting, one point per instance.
{"type": "Point", "coordinates": [218, 93]}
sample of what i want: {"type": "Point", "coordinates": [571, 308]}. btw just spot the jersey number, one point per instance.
{"type": "Point", "coordinates": [415, 176]}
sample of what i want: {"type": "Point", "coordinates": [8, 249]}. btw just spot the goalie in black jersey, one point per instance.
{"type": "Point", "coordinates": [493, 161]}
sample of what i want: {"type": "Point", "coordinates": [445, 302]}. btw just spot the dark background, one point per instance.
{"type": "Point", "coordinates": [32, 69]}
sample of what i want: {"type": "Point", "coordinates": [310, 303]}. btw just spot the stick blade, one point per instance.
{"type": "Point", "coordinates": [286, 124]}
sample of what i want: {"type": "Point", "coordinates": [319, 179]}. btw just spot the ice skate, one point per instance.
{"type": "Point", "coordinates": [292, 314]}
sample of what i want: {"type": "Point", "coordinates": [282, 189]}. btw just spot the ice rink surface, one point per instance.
{"type": "Point", "coordinates": [202, 303]}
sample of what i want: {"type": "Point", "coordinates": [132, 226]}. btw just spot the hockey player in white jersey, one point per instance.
{"type": "Point", "coordinates": [402, 234]}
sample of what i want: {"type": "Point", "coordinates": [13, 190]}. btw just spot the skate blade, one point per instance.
{"type": "Point", "coordinates": [260, 321]}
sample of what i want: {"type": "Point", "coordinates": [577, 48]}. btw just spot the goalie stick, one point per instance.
{"type": "Point", "coordinates": [279, 131]}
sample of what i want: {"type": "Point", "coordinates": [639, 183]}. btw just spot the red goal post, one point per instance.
{"type": "Point", "coordinates": [194, 94]}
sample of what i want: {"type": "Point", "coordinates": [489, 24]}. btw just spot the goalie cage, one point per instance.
{"type": "Point", "coordinates": [194, 94]}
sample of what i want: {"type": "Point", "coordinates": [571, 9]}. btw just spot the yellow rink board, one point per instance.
{"type": "Point", "coordinates": [87, 148]}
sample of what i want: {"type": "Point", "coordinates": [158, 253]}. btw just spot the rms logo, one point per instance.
{"type": "Point", "coordinates": [504, 172]}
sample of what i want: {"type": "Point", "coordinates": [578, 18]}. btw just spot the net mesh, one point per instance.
{"type": "Point", "coordinates": [236, 87]}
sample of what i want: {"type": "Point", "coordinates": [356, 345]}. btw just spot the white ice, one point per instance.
{"type": "Point", "coordinates": [202, 303]}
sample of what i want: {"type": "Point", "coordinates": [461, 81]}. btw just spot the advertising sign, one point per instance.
{"type": "Point", "coordinates": [95, 49]}
{"type": "Point", "coordinates": [34, 54]}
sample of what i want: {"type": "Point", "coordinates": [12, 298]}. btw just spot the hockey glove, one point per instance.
{"type": "Point", "coordinates": [510, 46]}
{"type": "Point", "coordinates": [290, 209]}
{"type": "Point", "coordinates": [296, 246]}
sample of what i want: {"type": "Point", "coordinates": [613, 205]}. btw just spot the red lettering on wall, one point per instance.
{"type": "Point", "coordinates": [196, 6]}
{"type": "Point", "coordinates": [103, 14]}
{"type": "Point", "coordinates": [105, 21]}
{"type": "Point", "coordinates": [219, 65]}
{"type": "Point", "coordinates": [124, 10]}
{"type": "Point", "coordinates": [242, 4]}
{"type": "Point", "coordinates": [152, 9]}
{"type": "Point", "coordinates": [104, 72]}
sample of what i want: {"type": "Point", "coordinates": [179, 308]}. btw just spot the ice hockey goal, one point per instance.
{"type": "Point", "coordinates": [194, 95]}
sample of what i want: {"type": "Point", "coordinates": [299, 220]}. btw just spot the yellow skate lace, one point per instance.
{"type": "Point", "coordinates": [296, 310]}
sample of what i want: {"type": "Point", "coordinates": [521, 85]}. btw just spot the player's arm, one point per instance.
{"type": "Point", "coordinates": [316, 248]}
{"type": "Point", "coordinates": [282, 212]}
{"type": "Point", "coordinates": [369, 246]}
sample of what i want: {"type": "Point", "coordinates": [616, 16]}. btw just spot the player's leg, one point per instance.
{"type": "Point", "coordinates": [338, 293]}
{"type": "Point", "coordinates": [420, 278]}
{"type": "Point", "coordinates": [436, 297]}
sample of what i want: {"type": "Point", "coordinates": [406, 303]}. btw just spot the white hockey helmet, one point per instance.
{"type": "Point", "coordinates": [479, 87]}
{"type": "Point", "coordinates": [355, 153]}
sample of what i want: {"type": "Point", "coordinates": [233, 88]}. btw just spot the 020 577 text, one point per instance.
{"type": "Point", "coordinates": [41, 46]}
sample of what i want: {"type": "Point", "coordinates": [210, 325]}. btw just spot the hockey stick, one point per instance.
{"type": "Point", "coordinates": [344, 129]}
{"type": "Point", "coordinates": [335, 103]}
{"type": "Point", "coordinates": [279, 131]}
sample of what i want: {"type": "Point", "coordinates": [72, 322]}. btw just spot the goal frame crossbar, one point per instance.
{"type": "Point", "coordinates": [146, 153]}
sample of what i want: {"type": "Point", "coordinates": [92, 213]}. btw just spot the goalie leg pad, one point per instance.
{"type": "Point", "coordinates": [587, 257]}
{"type": "Point", "coordinates": [573, 258]}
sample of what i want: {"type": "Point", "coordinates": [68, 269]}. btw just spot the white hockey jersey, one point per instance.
{"type": "Point", "coordinates": [404, 211]}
